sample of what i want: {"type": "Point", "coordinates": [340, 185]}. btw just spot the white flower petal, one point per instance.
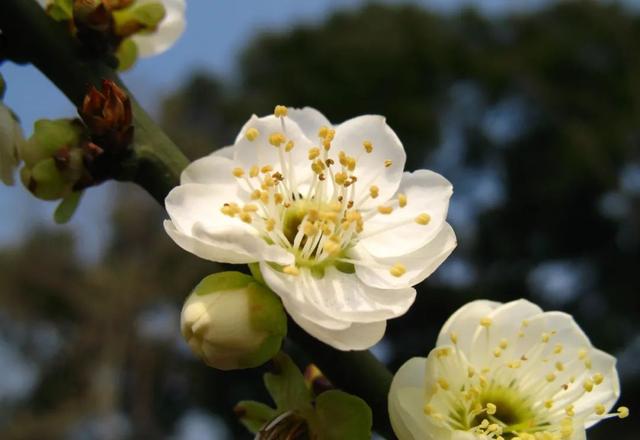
{"type": "Point", "coordinates": [427, 192]}
{"type": "Point", "coordinates": [309, 120]}
{"type": "Point", "coordinates": [196, 203]}
{"type": "Point", "coordinates": [342, 296]}
{"type": "Point", "coordinates": [406, 402]}
{"type": "Point", "coordinates": [419, 264]}
{"type": "Point", "coordinates": [293, 296]}
{"type": "Point", "coordinates": [371, 169]}
{"type": "Point", "coordinates": [195, 212]}
{"type": "Point", "coordinates": [607, 393]}
{"type": "Point", "coordinates": [207, 250]}
{"type": "Point", "coordinates": [356, 337]}
{"type": "Point", "coordinates": [224, 152]}
{"type": "Point", "coordinates": [260, 152]}
{"type": "Point", "coordinates": [464, 323]}
{"type": "Point", "coordinates": [212, 169]}
{"type": "Point", "coordinates": [168, 32]}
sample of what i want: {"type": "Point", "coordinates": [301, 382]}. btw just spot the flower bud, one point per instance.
{"type": "Point", "coordinates": [53, 158]}
{"type": "Point", "coordinates": [11, 141]}
{"type": "Point", "coordinates": [232, 322]}
{"type": "Point", "coordinates": [108, 115]}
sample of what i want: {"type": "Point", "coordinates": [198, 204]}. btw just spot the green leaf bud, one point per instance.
{"type": "Point", "coordinates": [232, 322]}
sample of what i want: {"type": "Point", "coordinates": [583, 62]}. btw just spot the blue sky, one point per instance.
{"type": "Point", "coordinates": [216, 30]}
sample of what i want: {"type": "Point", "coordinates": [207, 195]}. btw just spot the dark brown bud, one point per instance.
{"type": "Point", "coordinates": [108, 116]}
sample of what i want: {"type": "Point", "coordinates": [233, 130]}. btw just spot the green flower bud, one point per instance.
{"type": "Point", "coordinates": [53, 158]}
{"type": "Point", "coordinates": [11, 141]}
{"type": "Point", "coordinates": [233, 322]}
{"type": "Point", "coordinates": [138, 18]}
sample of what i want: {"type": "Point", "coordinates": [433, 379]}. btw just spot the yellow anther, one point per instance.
{"type": "Point", "coordinates": [454, 337]}
{"type": "Point", "coordinates": [588, 364]}
{"type": "Point", "coordinates": [484, 424]}
{"type": "Point", "coordinates": [229, 210]}
{"type": "Point", "coordinates": [245, 217]}
{"type": "Point", "coordinates": [443, 383]}
{"type": "Point", "coordinates": [588, 385]}
{"type": "Point", "coordinates": [309, 229]}
{"type": "Point", "coordinates": [329, 215]}
{"type": "Point", "coordinates": [277, 139]}
{"type": "Point", "coordinates": [558, 349]}
{"type": "Point", "coordinates": [486, 322]}
{"type": "Point", "coordinates": [280, 111]}
{"type": "Point", "coordinates": [238, 172]}
{"type": "Point", "coordinates": [269, 224]}
{"type": "Point", "coordinates": [341, 178]}
{"type": "Point", "coordinates": [314, 153]}
{"type": "Point", "coordinates": [569, 410]}
{"type": "Point", "coordinates": [623, 412]}
{"type": "Point", "coordinates": [497, 352]}
{"type": "Point", "coordinates": [331, 247]}
{"type": "Point", "coordinates": [550, 377]}
{"type": "Point", "coordinates": [323, 131]}
{"type": "Point", "coordinates": [385, 209]}
{"type": "Point", "coordinates": [388, 163]}
{"type": "Point", "coordinates": [514, 364]}
{"type": "Point", "coordinates": [427, 409]}
{"type": "Point", "coordinates": [546, 337]}
{"type": "Point", "coordinates": [368, 146]}
{"type": "Point", "coordinates": [278, 198]}
{"type": "Point", "coordinates": [374, 191]}
{"type": "Point", "coordinates": [491, 409]}
{"type": "Point", "coordinates": [423, 219]}
{"type": "Point", "coordinates": [548, 404]}
{"type": "Point", "coordinates": [289, 146]}
{"type": "Point", "coordinates": [255, 194]}
{"type": "Point", "coordinates": [582, 354]}
{"type": "Point", "coordinates": [398, 269]}
{"type": "Point", "coordinates": [254, 171]}
{"type": "Point", "coordinates": [266, 169]}
{"type": "Point", "coordinates": [402, 200]}
{"type": "Point", "coordinates": [326, 144]}
{"type": "Point", "coordinates": [598, 378]}
{"type": "Point", "coordinates": [354, 216]}
{"type": "Point", "coordinates": [351, 163]}
{"type": "Point", "coordinates": [264, 197]}
{"type": "Point", "coordinates": [250, 207]}
{"type": "Point", "coordinates": [291, 270]}
{"type": "Point", "coordinates": [312, 215]}
{"type": "Point", "coordinates": [504, 343]}
{"type": "Point", "coordinates": [252, 134]}
{"type": "Point", "coordinates": [335, 206]}
{"type": "Point", "coordinates": [443, 352]}
{"type": "Point", "coordinates": [600, 409]}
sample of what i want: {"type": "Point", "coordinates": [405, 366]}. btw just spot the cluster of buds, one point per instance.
{"type": "Point", "coordinates": [106, 26]}
{"type": "Point", "coordinates": [65, 156]}
{"type": "Point", "coordinates": [53, 158]}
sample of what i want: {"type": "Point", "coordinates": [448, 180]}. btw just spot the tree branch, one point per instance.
{"type": "Point", "coordinates": [31, 36]}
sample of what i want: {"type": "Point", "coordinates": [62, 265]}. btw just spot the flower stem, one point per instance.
{"type": "Point", "coordinates": [31, 36]}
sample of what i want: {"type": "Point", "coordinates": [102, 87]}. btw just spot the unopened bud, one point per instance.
{"type": "Point", "coordinates": [108, 115]}
{"type": "Point", "coordinates": [232, 322]}
{"type": "Point", "coordinates": [11, 142]}
{"type": "Point", "coordinates": [53, 158]}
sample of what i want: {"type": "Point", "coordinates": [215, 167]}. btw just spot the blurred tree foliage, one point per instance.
{"type": "Point", "coordinates": [534, 118]}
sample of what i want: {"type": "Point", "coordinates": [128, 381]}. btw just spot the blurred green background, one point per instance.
{"type": "Point", "coordinates": [535, 118]}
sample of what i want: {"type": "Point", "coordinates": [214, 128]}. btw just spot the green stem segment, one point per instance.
{"type": "Point", "coordinates": [31, 36]}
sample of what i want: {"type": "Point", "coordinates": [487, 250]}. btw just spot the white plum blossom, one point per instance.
{"type": "Point", "coordinates": [336, 228]}
{"type": "Point", "coordinates": [505, 371]}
